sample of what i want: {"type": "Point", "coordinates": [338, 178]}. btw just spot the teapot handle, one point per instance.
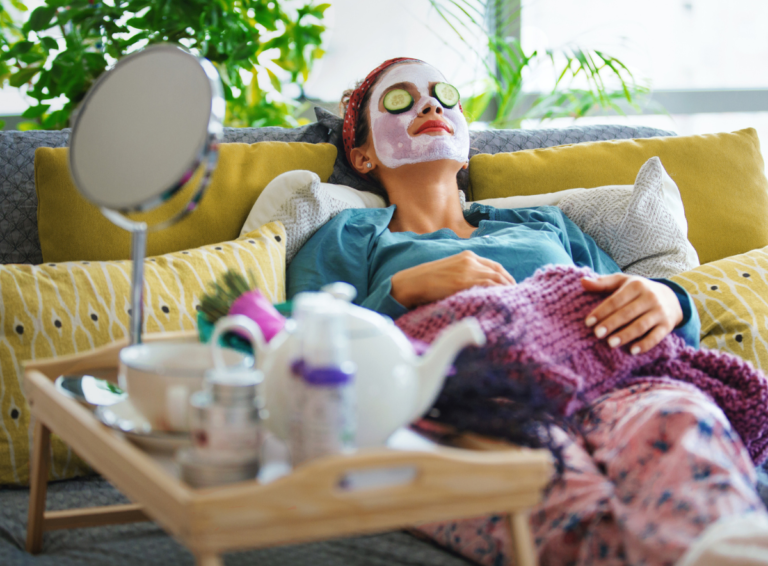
{"type": "Point", "coordinates": [235, 322]}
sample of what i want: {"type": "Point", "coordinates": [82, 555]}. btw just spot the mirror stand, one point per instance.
{"type": "Point", "coordinates": [138, 253]}
{"type": "Point", "coordinates": [138, 231]}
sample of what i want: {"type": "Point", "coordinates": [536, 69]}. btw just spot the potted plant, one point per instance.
{"type": "Point", "coordinates": [64, 45]}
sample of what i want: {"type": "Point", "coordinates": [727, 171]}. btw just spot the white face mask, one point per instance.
{"type": "Point", "coordinates": [393, 144]}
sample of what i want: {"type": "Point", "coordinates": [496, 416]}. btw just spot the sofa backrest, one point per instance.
{"type": "Point", "coordinates": [19, 242]}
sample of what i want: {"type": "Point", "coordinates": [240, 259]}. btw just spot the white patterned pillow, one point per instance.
{"type": "Point", "coordinates": [634, 225]}
{"type": "Point", "coordinates": [303, 204]}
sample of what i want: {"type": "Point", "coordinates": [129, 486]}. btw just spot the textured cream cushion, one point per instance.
{"type": "Point", "coordinates": [634, 226]}
{"type": "Point", "coordinates": [670, 193]}
{"type": "Point", "coordinates": [56, 309]}
{"type": "Point", "coordinates": [303, 204]}
{"type": "Point", "coordinates": [721, 179]}
{"type": "Point", "coordinates": [641, 226]}
{"type": "Point", "coordinates": [731, 296]}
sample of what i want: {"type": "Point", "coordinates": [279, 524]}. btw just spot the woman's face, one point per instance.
{"type": "Point", "coordinates": [428, 131]}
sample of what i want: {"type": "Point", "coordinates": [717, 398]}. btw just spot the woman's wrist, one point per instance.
{"type": "Point", "coordinates": [400, 292]}
{"type": "Point", "coordinates": [677, 315]}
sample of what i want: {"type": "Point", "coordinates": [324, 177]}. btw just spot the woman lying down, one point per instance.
{"type": "Point", "coordinates": [663, 438]}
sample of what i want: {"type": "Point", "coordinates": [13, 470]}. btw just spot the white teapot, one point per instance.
{"type": "Point", "coordinates": [393, 385]}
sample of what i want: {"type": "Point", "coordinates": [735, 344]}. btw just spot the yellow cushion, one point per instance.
{"type": "Point", "coordinates": [63, 308]}
{"type": "Point", "coordinates": [731, 296]}
{"type": "Point", "coordinates": [721, 178]}
{"type": "Point", "coordinates": [72, 229]}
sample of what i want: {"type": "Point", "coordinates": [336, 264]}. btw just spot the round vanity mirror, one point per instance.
{"type": "Point", "coordinates": [146, 139]}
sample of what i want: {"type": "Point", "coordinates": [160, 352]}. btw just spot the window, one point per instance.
{"type": "Point", "coordinates": [705, 59]}
{"type": "Point", "coordinates": [364, 33]}
{"type": "Point", "coordinates": [678, 44]}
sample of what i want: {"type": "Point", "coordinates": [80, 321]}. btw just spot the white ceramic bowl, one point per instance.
{"type": "Point", "coordinates": [159, 377]}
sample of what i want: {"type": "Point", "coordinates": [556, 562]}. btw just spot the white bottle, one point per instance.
{"type": "Point", "coordinates": [323, 393]}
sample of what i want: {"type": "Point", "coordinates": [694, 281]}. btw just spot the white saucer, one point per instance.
{"type": "Point", "coordinates": [89, 391]}
{"type": "Point", "coordinates": [124, 417]}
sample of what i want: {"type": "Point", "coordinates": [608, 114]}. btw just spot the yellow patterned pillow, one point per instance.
{"type": "Point", "coordinates": [56, 309]}
{"type": "Point", "coordinates": [731, 296]}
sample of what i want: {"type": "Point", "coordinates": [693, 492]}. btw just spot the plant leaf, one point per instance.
{"type": "Point", "coordinates": [49, 43]}
{"type": "Point", "coordinates": [40, 18]}
{"type": "Point", "coordinates": [26, 126]}
{"type": "Point", "coordinates": [35, 111]}
{"type": "Point", "coordinates": [20, 48]}
{"type": "Point", "coordinates": [23, 76]}
{"type": "Point", "coordinates": [274, 80]}
{"type": "Point", "coordinates": [71, 43]}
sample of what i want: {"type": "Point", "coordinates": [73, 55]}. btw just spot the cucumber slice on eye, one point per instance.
{"type": "Point", "coordinates": [447, 94]}
{"type": "Point", "coordinates": [397, 101]}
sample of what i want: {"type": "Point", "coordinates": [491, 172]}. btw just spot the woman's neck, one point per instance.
{"type": "Point", "coordinates": [427, 199]}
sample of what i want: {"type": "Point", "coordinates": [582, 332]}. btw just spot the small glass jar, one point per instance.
{"type": "Point", "coordinates": [225, 417]}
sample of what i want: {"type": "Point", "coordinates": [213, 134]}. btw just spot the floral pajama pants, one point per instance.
{"type": "Point", "coordinates": [654, 466]}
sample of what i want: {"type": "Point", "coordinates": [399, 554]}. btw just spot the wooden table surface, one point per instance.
{"type": "Point", "coordinates": [311, 503]}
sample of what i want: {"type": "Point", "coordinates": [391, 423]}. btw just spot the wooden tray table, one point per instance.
{"type": "Point", "coordinates": [307, 504]}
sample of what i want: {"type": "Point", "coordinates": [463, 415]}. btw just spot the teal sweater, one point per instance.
{"type": "Point", "coordinates": [357, 247]}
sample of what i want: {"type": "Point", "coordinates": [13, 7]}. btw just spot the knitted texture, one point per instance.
{"type": "Point", "coordinates": [538, 325]}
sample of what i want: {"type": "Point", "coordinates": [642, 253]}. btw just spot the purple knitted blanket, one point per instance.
{"type": "Point", "coordinates": [539, 324]}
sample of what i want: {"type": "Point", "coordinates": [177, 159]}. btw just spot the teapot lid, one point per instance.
{"type": "Point", "coordinates": [360, 321]}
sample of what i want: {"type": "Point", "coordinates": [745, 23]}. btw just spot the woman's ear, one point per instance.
{"type": "Point", "coordinates": [361, 161]}
{"type": "Point", "coordinates": [466, 165]}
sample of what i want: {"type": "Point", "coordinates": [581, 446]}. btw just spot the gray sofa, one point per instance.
{"type": "Point", "coordinates": [144, 543]}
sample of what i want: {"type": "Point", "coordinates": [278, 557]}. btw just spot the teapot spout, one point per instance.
{"type": "Point", "coordinates": [434, 365]}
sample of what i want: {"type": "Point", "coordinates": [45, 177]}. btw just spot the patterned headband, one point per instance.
{"type": "Point", "coordinates": [353, 108]}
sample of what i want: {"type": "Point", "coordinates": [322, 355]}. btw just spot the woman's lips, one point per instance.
{"type": "Point", "coordinates": [433, 126]}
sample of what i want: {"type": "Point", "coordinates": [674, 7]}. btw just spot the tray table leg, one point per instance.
{"type": "Point", "coordinates": [525, 552]}
{"type": "Point", "coordinates": [208, 559]}
{"type": "Point", "coordinates": [38, 487]}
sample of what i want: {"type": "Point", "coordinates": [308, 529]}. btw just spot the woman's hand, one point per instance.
{"type": "Point", "coordinates": [638, 309]}
{"type": "Point", "coordinates": [441, 278]}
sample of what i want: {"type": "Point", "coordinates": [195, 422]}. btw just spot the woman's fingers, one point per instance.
{"type": "Point", "coordinates": [490, 275]}
{"type": "Point", "coordinates": [639, 327]}
{"type": "Point", "coordinates": [604, 282]}
{"type": "Point", "coordinates": [626, 293]}
{"type": "Point", "coordinates": [654, 337]}
{"type": "Point", "coordinates": [622, 317]}
{"type": "Point", "coordinates": [489, 283]}
{"type": "Point", "coordinates": [440, 278]}
{"type": "Point", "coordinates": [481, 275]}
{"type": "Point", "coordinates": [639, 313]}
{"type": "Point", "coordinates": [498, 268]}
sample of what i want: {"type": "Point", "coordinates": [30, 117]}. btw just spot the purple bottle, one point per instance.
{"type": "Point", "coordinates": [324, 409]}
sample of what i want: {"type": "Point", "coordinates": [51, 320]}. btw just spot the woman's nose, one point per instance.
{"type": "Point", "coordinates": [432, 105]}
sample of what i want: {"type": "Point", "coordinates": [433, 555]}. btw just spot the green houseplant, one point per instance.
{"type": "Point", "coordinates": [64, 45]}
{"type": "Point", "coordinates": [11, 34]}
{"type": "Point", "coordinates": [585, 78]}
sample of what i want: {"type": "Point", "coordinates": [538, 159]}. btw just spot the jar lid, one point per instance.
{"type": "Point", "coordinates": [233, 388]}
{"type": "Point", "coordinates": [199, 471]}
